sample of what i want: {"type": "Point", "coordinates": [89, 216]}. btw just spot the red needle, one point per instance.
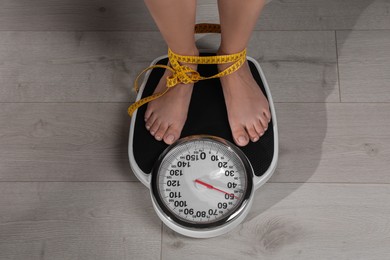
{"type": "Point", "coordinates": [213, 188]}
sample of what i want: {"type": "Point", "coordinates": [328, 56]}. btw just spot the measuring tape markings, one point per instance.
{"type": "Point", "coordinates": [186, 75]}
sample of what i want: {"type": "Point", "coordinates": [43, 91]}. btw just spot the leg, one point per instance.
{"type": "Point", "coordinates": [247, 107]}
{"type": "Point", "coordinates": [165, 117]}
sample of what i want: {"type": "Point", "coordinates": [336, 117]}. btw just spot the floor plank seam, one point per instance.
{"type": "Point", "coordinates": [335, 183]}
{"type": "Point", "coordinates": [337, 65]}
{"type": "Point", "coordinates": [327, 183]}
{"type": "Point", "coordinates": [276, 102]}
{"type": "Point", "coordinates": [70, 181]}
{"type": "Point", "coordinates": [72, 102]}
{"type": "Point", "coordinates": [156, 31]}
{"type": "Point", "coordinates": [162, 235]}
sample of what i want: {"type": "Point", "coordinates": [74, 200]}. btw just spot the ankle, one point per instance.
{"type": "Point", "coordinates": [192, 51]}
{"type": "Point", "coordinates": [223, 50]}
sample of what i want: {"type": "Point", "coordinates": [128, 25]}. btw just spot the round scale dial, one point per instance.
{"type": "Point", "coordinates": [202, 183]}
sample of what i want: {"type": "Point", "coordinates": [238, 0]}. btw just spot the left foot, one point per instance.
{"type": "Point", "coordinates": [247, 107]}
{"type": "Point", "coordinates": [166, 116]}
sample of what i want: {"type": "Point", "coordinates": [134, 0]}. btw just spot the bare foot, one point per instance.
{"type": "Point", "coordinates": [247, 107]}
{"type": "Point", "coordinates": [165, 116]}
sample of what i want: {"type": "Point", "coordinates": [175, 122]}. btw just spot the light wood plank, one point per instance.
{"type": "Point", "coordinates": [293, 221]}
{"type": "Point", "coordinates": [101, 66]}
{"type": "Point", "coordinates": [299, 66]}
{"type": "Point", "coordinates": [364, 63]}
{"type": "Point", "coordinates": [78, 221]}
{"type": "Point", "coordinates": [64, 142]}
{"type": "Point", "coordinates": [75, 15]}
{"type": "Point", "coordinates": [325, 15]}
{"type": "Point", "coordinates": [133, 15]}
{"type": "Point", "coordinates": [333, 142]}
{"type": "Point", "coordinates": [74, 66]}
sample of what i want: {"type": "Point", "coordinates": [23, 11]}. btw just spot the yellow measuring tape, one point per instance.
{"type": "Point", "coordinates": [186, 75]}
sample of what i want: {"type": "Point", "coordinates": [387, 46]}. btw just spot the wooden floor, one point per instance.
{"type": "Point", "coordinates": [66, 188]}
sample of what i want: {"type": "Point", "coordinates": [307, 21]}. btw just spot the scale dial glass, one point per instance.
{"type": "Point", "coordinates": [202, 182]}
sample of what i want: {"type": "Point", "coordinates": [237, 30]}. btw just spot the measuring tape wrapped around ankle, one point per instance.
{"type": "Point", "coordinates": [186, 75]}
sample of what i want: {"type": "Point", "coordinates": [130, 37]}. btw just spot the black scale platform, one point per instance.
{"type": "Point", "coordinates": [207, 115]}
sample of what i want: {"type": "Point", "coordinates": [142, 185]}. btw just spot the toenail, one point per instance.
{"type": "Point", "coordinates": [170, 138]}
{"type": "Point", "coordinates": [152, 133]}
{"type": "Point", "coordinates": [158, 138]}
{"type": "Point", "coordinates": [242, 139]}
{"type": "Point", "coordinates": [147, 127]}
{"type": "Point", "coordinates": [255, 139]}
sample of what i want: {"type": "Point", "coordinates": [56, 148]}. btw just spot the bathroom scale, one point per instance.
{"type": "Point", "coordinates": [203, 184]}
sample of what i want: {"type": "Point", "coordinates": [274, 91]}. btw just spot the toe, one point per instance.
{"type": "Point", "coordinates": [148, 113]}
{"type": "Point", "coordinates": [264, 122]}
{"type": "Point", "coordinates": [161, 132]}
{"type": "Point", "coordinates": [258, 127]}
{"type": "Point", "coordinates": [155, 127]}
{"type": "Point", "coordinates": [240, 136]}
{"type": "Point", "coordinates": [171, 135]}
{"type": "Point", "coordinates": [150, 121]}
{"type": "Point", "coordinates": [253, 135]}
{"type": "Point", "coordinates": [267, 115]}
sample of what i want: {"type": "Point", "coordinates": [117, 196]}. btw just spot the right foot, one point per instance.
{"type": "Point", "coordinates": [247, 107]}
{"type": "Point", "coordinates": [166, 116]}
